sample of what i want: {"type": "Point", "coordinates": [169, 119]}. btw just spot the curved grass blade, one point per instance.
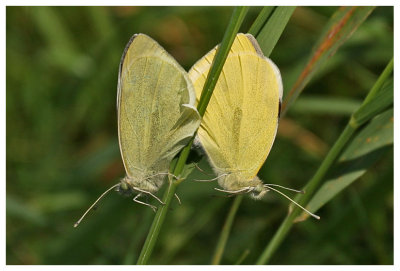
{"type": "Point", "coordinates": [367, 147]}
{"type": "Point", "coordinates": [343, 23]}
{"type": "Point", "coordinates": [363, 152]}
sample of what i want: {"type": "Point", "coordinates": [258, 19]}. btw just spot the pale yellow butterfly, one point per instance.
{"type": "Point", "coordinates": [156, 115]}
{"type": "Point", "coordinates": [241, 120]}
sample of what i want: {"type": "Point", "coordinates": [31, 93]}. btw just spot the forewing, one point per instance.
{"type": "Point", "coordinates": [240, 123]}
{"type": "Point", "coordinates": [155, 101]}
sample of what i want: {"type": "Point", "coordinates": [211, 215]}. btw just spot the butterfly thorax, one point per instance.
{"type": "Point", "coordinates": [150, 182]}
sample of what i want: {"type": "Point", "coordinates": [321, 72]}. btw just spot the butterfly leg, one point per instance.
{"type": "Point", "coordinates": [141, 202]}
{"type": "Point", "coordinates": [179, 200]}
{"type": "Point", "coordinates": [243, 190]}
{"type": "Point", "coordinates": [213, 179]}
{"type": "Point", "coordinates": [173, 176]}
{"type": "Point", "coordinates": [202, 171]}
{"type": "Point", "coordinates": [149, 193]}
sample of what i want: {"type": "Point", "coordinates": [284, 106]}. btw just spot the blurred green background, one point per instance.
{"type": "Point", "coordinates": [62, 146]}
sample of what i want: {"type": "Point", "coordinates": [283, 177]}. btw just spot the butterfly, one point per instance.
{"type": "Point", "coordinates": [241, 121]}
{"type": "Point", "coordinates": [156, 116]}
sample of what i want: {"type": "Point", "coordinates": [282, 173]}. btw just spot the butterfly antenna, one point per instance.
{"type": "Point", "coordinates": [202, 170]}
{"type": "Point", "coordinates": [301, 207]}
{"type": "Point", "coordinates": [283, 187]}
{"type": "Point", "coordinates": [213, 179]}
{"type": "Point", "coordinates": [94, 204]}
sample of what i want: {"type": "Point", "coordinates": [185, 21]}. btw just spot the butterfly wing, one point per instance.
{"type": "Point", "coordinates": [241, 120]}
{"type": "Point", "coordinates": [156, 116]}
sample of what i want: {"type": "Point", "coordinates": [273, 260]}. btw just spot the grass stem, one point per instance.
{"type": "Point", "coordinates": [223, 238]}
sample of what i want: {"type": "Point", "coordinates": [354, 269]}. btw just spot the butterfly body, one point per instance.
{"type": "Point", "coordinates": [235, 183]}
{"type": "Point", "coordinates": [143, 182]}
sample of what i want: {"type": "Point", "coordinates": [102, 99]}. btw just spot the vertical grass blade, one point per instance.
{"type": "Point", "coordinates": [220, 57]}
{"type": "Point", "coordinates": [223, 238]}
{"type": "Point", "coordinates": [269, 35]}
{"type": "Point", "coordinates": [343, 23]}
{"type": "Point", "coordinates": [260, 21]}
{"type": "Point", "coordinates": [233, 27]}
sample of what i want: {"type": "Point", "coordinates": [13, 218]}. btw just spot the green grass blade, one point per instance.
{"type": "Point", "coordinates": [219, 60]}
{"type": "Point", "coordinates": [53, 30]}
{"type": "Point", "coordinates": [343, 23]}
{"type": "Point", "coordinates": [382, 100]}
{"type": "Point", "coordinates": [216, 67]}
{"type": "Point", "coordinates": [223, 238]}
{"type": "Point", "coordinates": [260, 21]}
{"type": "Point", "coordinates": [325, 105]}
{"type": "Point", "coordinates": [102, 22]}
{"type": "Point", "coordinates": [233, 27]}
{"type": "Point", "coordinates": [62, 48]}
{"type": "Point", "coordinates": [364, 151]}
{"type": "Point", "coordinates": [269, 35]}
{"type": "Point", "coordinates": [136, 239]}
{"type": "Point", "coordinates": [243, 257]}
{"type": "Point", "coordinates": [197, 223]}
{"type": "Point", "coordinates": [379, 98]}
{"type": "Point", "coordinates": [16, 207]}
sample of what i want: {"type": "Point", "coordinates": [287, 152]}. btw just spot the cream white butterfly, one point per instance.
{"type": "Point", "coordinates": [241, 120]}
{"type": "Point", "coordinates": [156, 116]}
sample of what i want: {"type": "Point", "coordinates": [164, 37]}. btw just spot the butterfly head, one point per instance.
{"type": "Point", "coordinates": [238, 181]}
{"type": "Point", "coordinates": [257, 191]}
{"type": "Point", "coordinates": [124, 187]}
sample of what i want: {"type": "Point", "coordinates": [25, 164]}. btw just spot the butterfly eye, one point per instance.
{"type": "Point", "coordinates": [124, 189]}
{"type": "Point", "coordinates": [123, 186]}
{"type": "Point", "coordinates": [258, 192]}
